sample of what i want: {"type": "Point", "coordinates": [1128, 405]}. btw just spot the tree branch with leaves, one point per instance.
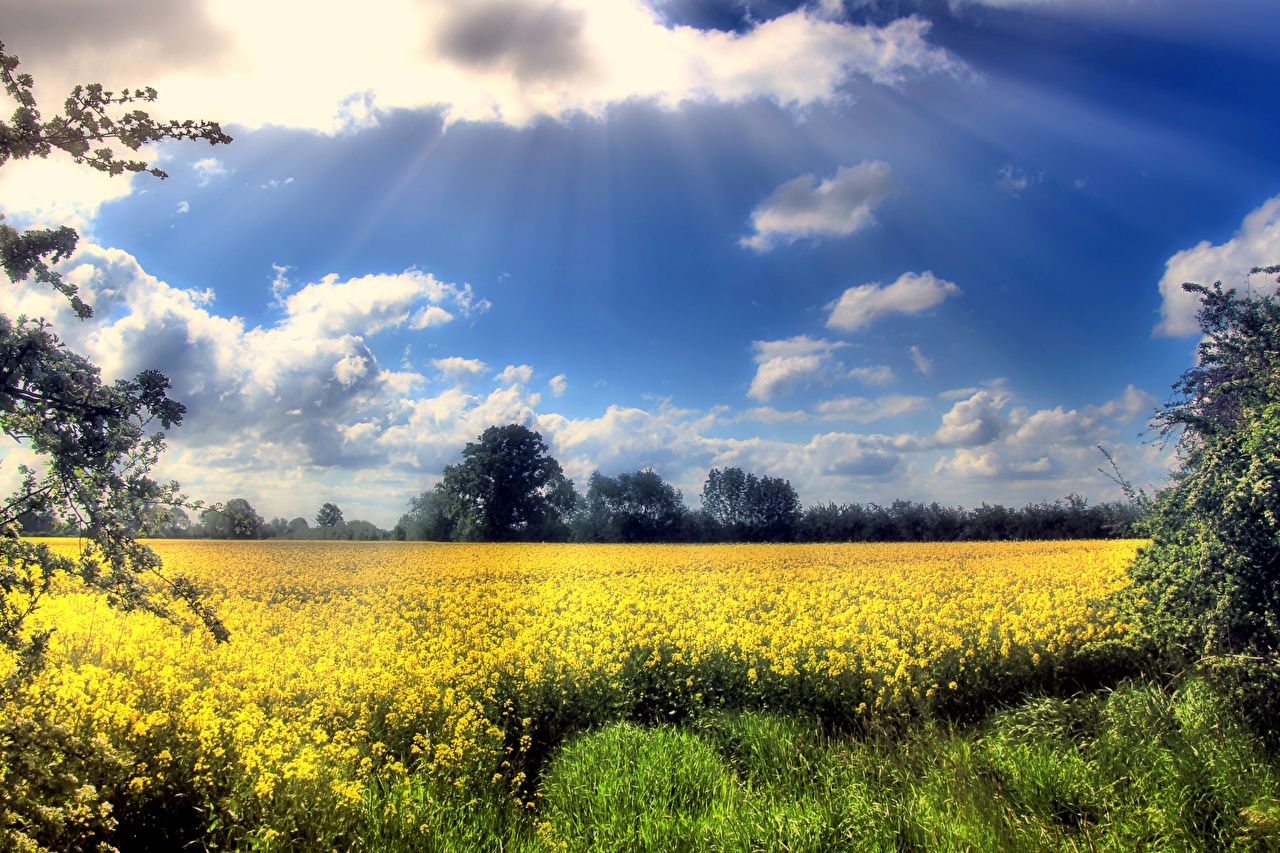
{"type": "Point", "coordinates": [98, 441]}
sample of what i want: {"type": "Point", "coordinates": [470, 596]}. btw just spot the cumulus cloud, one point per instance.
{"type": "Point", "coordinates": [974, 422]}
{"type": "Point", "coordinates": [558, 384]}
{"type": "Point", "coordinates": [459, 370]}
{"type": "Point", "coordinates": [1257, 243]}
{"type": "Point", "coordinates": [514, 374]}
{"type": "Point", "coordinates": [808, 208]}
{"type": "Point", "coordinates": [279, 390]}
{"type": "Point", "coordinates": [531, 42]}
{"type": "Point", "coordinates": [994, 442]}
{"type": "Point", "coordinates": [911, 293]}
{"type": "Point", "coordinates": [476, 60]}
{"type": "Point", "coordinates": [791, 364]}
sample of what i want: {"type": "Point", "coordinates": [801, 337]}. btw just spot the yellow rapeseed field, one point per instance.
{"type": "Point", "coordinates": [354, 667]}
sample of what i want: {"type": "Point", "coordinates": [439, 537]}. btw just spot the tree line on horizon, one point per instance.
{"type": "Point", "coordinates": [508, 488]}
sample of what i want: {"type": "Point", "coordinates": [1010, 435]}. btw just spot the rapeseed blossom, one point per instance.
{"type": "Point", "coordinates": [362, 666]}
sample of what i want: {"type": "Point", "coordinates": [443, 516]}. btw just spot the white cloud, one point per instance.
{"type": "Point", "coordinates": [912, 293]}
{"type": "Point", "coordinates": [279, 412]}
{"type": "Point", "coordinates": [877, 374]}
{"type": "Point", "coordinates": [350, 368]}
{"type": "Point", "coordinates": [865, 410]}
{"type": "Point", "coordinates": [55, 191]}
{"type": "Point", "coordinates": [1013, 179]}
{"type": "Point", "coordinates": [1017, 445]}
{"type": "Point", "coordinates": [790, 364]}
{"type": "Point", "coordinates": [974, 422]}
{"type": "Point", "coordinates": [184, 207]}
{"type": "Point", "coordinates": [207, 169]}
{"type": "Point", "coordinates": [1257, 243]}
{"type": "Point", "coordinates": [459, 370]}
{"type": "Point", "coordinates": [922, 362]}
{"type": "Point", "coordinates": [430, 315]}
{"type": "Point", "coordinates": [514, 374]}
{"type": "Point", "coordinates": [558, 384]}
{"type": "Point", "coordinates": [477, 60]}
{"type": "Point", "coordinates": [770, 415]}
{"type": "Point", "coordinates": [806, 208]}
{"type": "Point", "coordinates": [371, 303]}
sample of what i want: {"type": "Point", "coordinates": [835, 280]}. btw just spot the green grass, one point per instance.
{"type": "Point", "coordinates": [1138, 768]}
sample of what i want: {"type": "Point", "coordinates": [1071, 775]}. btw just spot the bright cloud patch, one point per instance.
{"type": "Point", "coordinates": [808, 208]}
{"type": "Point", "coordinates": [56, 191]}
{"type": "Point", "coordinates": [478, 60]}
{"type": "Point", "coordinates": [790, 364]}
{"type": "Point", "coordinates": [514, 374]}
{"type": "Point", "coordinates": [912, 293]}
{"type": "Point", "coordinates": [1257, 243]}
{"type": "Point", "coordinates": [459, 370]}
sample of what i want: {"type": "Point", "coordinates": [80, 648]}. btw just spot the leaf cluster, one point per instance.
{"type": "Point", "coordinates": [1209, 584]}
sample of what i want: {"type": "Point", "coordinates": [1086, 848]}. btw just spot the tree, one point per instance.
{"type": "Point", "coordinates": [507, 487]}
{"type": "Point", "coordinates": [98, 441]}
{"type": "Point", "coordinates": [426, 519]}
{"type": "Point", "coordinates": [236, 519]}
{"type": "Point", "coordinates": [329, 516]}
{"type": "Point", "coordinates": [1209, 583]}
{"type": "Point", "coordinates": [638, 507]}
{"type": "Point", "coordinates": [743, 506]}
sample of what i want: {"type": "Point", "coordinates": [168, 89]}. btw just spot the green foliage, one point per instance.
{"type": "Point", "coordinates": [87, 131]}
{"type": "Point", "coordinates": [329, 515]}
{"type": "Point", "coordinates": [426, 519]}
{"type": "Point", "coordinates": [47, 801]}
{"type": "Point", "coordinates": [236, 519]}
{"type": "Point", "coordinates": [1209, 584]}
{"type": "Point", "coordinates": [638, 507]}
{"type": "Point", "coordinates": [742, 506]}
{"type": "Point", "coordinates": [507, 487]}
{"type": "Point", "coordinates": [97, 441]}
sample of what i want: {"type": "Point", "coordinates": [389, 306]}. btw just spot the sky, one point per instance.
{"type": "Point", "coordinates": [885, 249]}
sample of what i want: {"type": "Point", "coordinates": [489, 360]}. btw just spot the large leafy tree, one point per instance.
{"type": "Point", "coordinates": [1209, 583]}
{"type": "Point", "coordinates": [97, 440]}
{"type": "Point", "coordinates": [507, 487]}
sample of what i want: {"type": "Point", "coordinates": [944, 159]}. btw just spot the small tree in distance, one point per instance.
{"type": "Point", "coordinates": [329, 515]}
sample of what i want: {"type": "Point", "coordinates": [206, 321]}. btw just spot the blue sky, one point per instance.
{"type": "Point", "coordinates": [885, 249]}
